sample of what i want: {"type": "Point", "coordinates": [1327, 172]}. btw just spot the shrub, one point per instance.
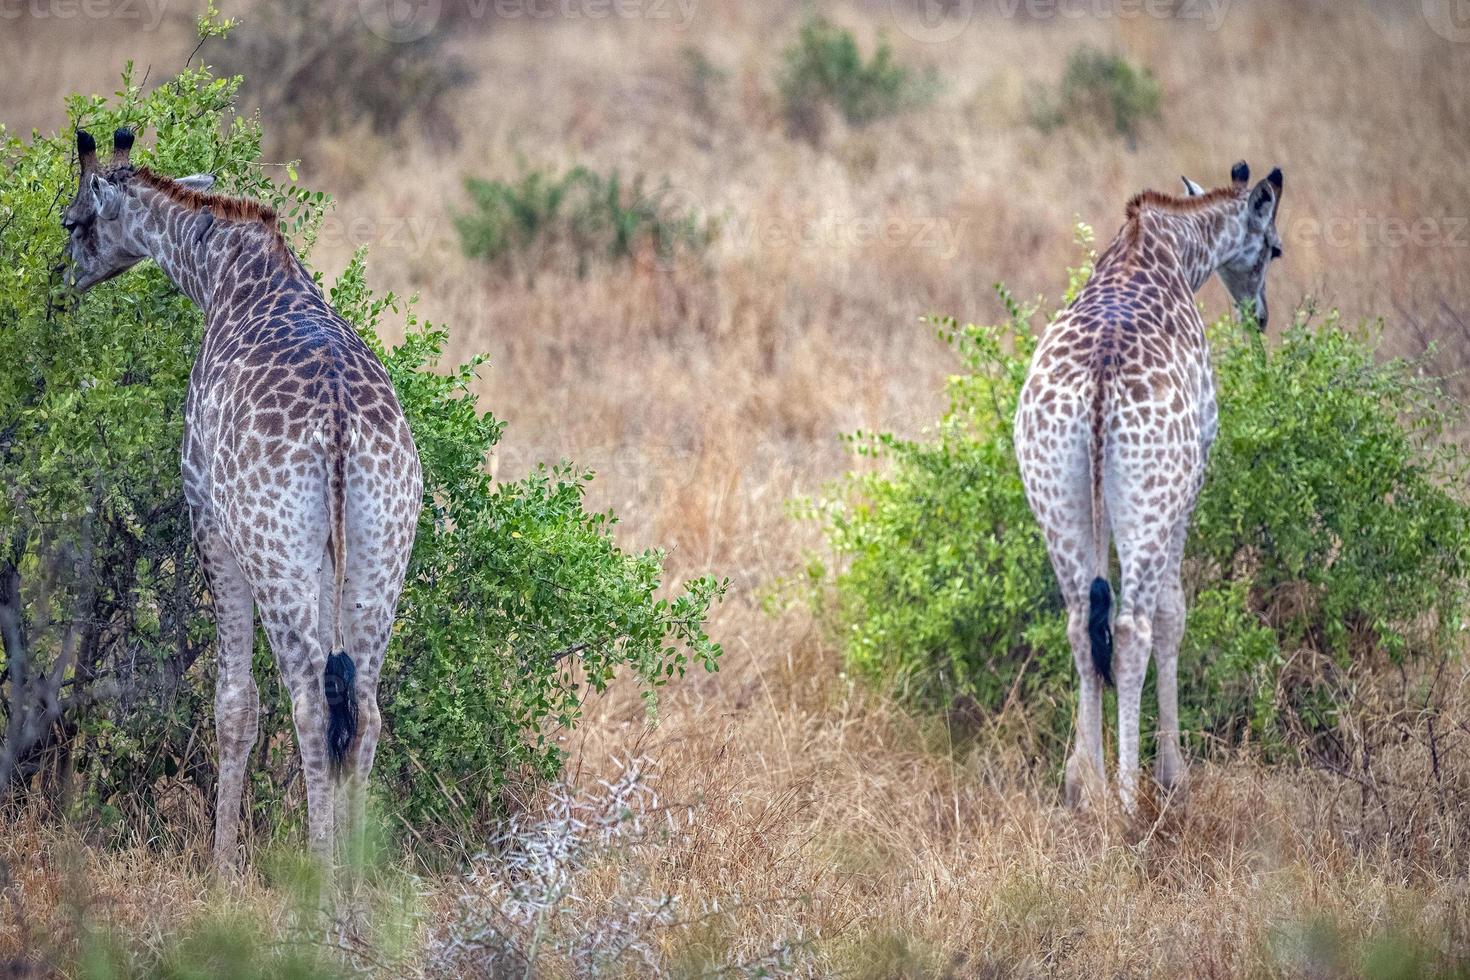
{"type": "Point", "coordinates": [1330, 532]}
{"type": "Point", "coordinates": [823, 66]}
{"type": "Point", "coordinates": [579, 217]}
{"type": "Point", "coordinates": [517, 604]}
{"type": "Point", "coordinates": [703, 81]}
{"type": "Point", "coordinates": [322, 67]}
{"type": "Point", "coordinates": [1100, 88]}
{"type": "Point", "coordinates": [524, 908]}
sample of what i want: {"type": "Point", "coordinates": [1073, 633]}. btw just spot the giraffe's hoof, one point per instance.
{"type": "Point", "coordinates": [228, 868]}
{"type": "Point", "coordinates": [1173, 780]}
{"type": "Point", "coordinates": [1072, 795]}
{"type": "Point", "coordinates": [1083, 785]}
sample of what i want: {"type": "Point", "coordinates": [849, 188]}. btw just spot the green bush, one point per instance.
{"type": "Point", "coordinates": [1330, 524]}
{"type": "Point", "coordinates": [1100, 88]}
{"type": "Point", "coordinates": [823, 66]}
{"type": "Point", "coordinates": [580, 215]}
{"type": "Point", "coordinates": [517, 604]}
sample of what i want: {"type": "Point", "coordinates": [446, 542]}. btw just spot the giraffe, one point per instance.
{"type": "Point", "coordinates": [1112, 432]}
{"type": "Point", "coordinates": [299, 471]}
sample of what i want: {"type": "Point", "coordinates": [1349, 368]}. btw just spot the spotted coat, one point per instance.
{"type": "Point", "coordinates": [299, 469]}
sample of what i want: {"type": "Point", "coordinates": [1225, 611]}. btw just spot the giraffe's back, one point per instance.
{"type": "Point", "coordinates": [1119, 389]}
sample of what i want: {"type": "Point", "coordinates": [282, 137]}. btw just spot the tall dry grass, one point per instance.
{"type": "Point", "coordinates": [708, 394]}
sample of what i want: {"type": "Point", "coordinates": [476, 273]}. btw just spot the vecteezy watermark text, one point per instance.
{"type": "Point", "coordinates": [150, 12]}
{"type": "Point", "coordinates": [1365, 230]}
{"type": "Point", "coordinates": [941, 236]}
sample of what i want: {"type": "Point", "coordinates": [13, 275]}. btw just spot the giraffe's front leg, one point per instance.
{"type": "Point", "coordinates": [1168, 631]}
{"type": "Point", "coordinates": [236, 698]}
{"type": "Point", "coordinates": [236, 720]}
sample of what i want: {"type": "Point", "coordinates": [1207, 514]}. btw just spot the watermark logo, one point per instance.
{"type": "Point", "coordinates": [400, 21]}
{"type": "Point", "coordinates": [933, 21]}
{"type": "Point", "coordinates": [1450, 19]}
{"type": "Point", "coordinates": [683, 248]}
{"type": "Point", "coordinates": [680, 12]}
{"type": "Point", "coordinates": [937, 21]}
{"type": "Point", "coordinates": [150, 12]}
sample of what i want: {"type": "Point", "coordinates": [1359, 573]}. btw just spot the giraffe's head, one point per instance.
{"type": "Point", "coordinates": [102, 240]}
{"type": "Point", "coordinates": [1253, 241]}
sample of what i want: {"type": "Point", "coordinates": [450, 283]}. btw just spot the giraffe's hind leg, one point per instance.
{"type": "Point", "coordinates": [345, 833]}
{"type": "Point", "coordinates": [1085, 777]}
{"type": "Point", "coordinates": [291, 626]}
{"type": "Point", "coordinates": [367, 627]}
{"type": "Point", "coordinates": [380, 531]}
{"type": "Point", "coordinates": [286, 579]}
{"type": "Point", "coordinates": [1148, 502]}
{"type": "Point", "coordinates": [1055, 455]}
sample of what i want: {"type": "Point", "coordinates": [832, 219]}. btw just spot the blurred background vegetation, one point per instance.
{"type": "Point", "coordinates": [769, 200]}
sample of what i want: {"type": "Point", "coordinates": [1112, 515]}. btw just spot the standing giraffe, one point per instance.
{"type": "Point", "coordinates": [300, 473]}
{"type": "Point", "coordinates": [1113, 429]}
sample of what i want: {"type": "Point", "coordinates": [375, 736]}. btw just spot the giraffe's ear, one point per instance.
{"type": "Point", "coordinates": [106, 198]}
{"type": "Point", "coordinates": [1191, 189]}
{"type": "Point", "coordinates": [196, 182]}
{"type": "Point", "coordinates": [1263, 201]}
{"type": "Point", "coordinates": [122, 146]}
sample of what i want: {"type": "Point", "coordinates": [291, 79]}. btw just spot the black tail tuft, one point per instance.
{"type": "Point", "coordinates": [341, 689]}
{"type": "Point", "coordinates": [1099, 605]}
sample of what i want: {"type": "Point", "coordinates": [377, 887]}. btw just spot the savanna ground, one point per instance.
{"type": "Point", "coordinates": [707, 392]}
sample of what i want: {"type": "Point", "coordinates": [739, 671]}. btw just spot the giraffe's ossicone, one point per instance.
{"type": "Point", "coordinates": [1112, 433]}
{"type": "Point", "coordinates": [300, 472]}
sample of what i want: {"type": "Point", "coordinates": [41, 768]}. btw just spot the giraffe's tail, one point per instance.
{"type": "Point", "coordinates": [1099, 630]}
{"type": "Point", "coordinates": [339, 680]}
{"type": "Point", "coordinates": [1100, 596]}
{"type": "Point", "coordinates": [340, 684]}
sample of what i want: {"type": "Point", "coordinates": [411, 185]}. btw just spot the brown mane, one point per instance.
{"type": "Point", "coordinates": [220, 205]}
{"type": "Point", "coordinates": [1125, 243]}
{"type": "Point", "coordinates": [1178, 205]}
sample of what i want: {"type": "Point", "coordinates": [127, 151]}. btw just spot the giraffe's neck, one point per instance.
{"type": "Point", "coordinates": [212, 260]}
{"type": "Point", "coordinates": [1195, 242]}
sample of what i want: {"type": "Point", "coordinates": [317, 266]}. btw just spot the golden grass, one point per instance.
{"type": "Point", "coordinates": [707, 395]}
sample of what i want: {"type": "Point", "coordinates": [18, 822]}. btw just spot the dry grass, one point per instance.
{"type": "Point", "coordinates": [707, 395]}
